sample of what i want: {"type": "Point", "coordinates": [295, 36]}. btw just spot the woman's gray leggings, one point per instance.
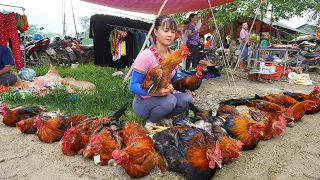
{"type": "Point", "coordinates": [156, 108]}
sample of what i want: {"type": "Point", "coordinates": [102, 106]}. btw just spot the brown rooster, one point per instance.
{"type": "Point", "coordinates": [273, 125]}
{"type": "Point", "coordinates": [313, 96]}
{"type": "Point", "coordinates": [52, 130]}
{"type": "Point", "coordinates": [103, 143]}
{"type": "Point", "coordinates": [138, 157]}
{"type": "Point", "coordinates": [190, 151]}
{"type": "Point", "coordinates": [160, 76]}
{"type": "Point", "coordinates": [11, 117]}
{"type": "Point", "coordinates": [191, 83]}
{"type": "Point", "coordinates": [76, 139]}
{"type": "Point", "coordinates": [230, 148]}
{"type": "Point", "coordinates": [27, 126]}
{"type": "Point", "coordinates": [300, 108]}
{"type": "Point", "coordinates": [280, 99]}
{"type": "Point", "coordinates": [241, 127]}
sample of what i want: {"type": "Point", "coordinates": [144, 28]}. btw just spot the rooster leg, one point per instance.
{"type": "Point", "coordinates": [156, 129]}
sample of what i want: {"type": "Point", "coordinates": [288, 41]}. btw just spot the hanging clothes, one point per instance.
{"type": "Point", "coordinates": [24, 23]}
{"type": "Point", "coordinates": [9, 31]}
{"type": "Point", "coordinates": [100, 32]}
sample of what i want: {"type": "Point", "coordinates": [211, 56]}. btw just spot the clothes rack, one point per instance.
{"type": "Point", "coordinates": [24, 42]}
{"type": "Point", "coordinates": [127, 28]}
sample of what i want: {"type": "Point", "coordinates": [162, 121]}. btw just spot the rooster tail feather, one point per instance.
{"type": "Point", "coordinates": [120, 111]}
{"type": "Point", "coordinates": [256, 96]}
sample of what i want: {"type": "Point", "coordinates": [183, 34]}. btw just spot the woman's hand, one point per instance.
{"type": "Point", "coordinates": [161, 92]}
{"type": "Point", "coordinates": [192, 93]}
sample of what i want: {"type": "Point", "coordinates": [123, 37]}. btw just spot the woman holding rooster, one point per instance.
{"type": "Point", "coordinates": [160, 104]}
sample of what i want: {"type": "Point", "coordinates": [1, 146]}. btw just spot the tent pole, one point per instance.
{"type": "Point", "coordinates": [225, 61]}
{"type": "Point", "coordinates": [254, 20]}
{"type": "Point", "coordinates": [74, 21]}
{"type": "Point", "coordinates": [146, 40]}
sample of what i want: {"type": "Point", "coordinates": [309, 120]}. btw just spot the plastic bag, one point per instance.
{"type": "Point", "coordinates": [27, 74]}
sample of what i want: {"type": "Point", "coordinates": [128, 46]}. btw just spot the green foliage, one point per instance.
{"type": "Point", "coordinates": [85, 24]}
{"type": "Point", "coordinates": [111, 93]}
{"type": "Point", "coordinates": [179, 18]}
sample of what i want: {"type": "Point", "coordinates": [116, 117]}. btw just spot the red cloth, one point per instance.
{"type": "Point", "coordinates": [9, 30]}
{"type": "Point", "coordinates": [153, 6]}
{"type": "Point", "coordinates": [207, 45]}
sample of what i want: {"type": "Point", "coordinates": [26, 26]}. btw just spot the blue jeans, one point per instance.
{"type": "Point", "coordinates": [244, 55]}
{"type": "Point", "coordinates": [156, 108]}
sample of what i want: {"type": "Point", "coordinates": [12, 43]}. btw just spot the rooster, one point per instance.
{"type": "Point", "coordinates": [280, 99]}
{"type": "Point", "coordinates": [230, 148]}
{"type": "Point", "coordinates": [51, 130]}
{"type": "Point", "coordinates": [313, 96]}
{"type": "Point", "coordinates": [160, 76]}
{"type": "Point", "coordinates": [75, 139]}
{"type": "Point", "coordinates": [191, 83]}
{"type": "Point", "coordinates": [300, 108]}
{"type": "Point", "coordinates": [273, 126]}
{"type": "Point", "coordinates": [241, 127]}
{"type": "Point", "coordinates": [11, 117]}
{"type": "Point", "coordinates": [138, 157]}
{"type": "Point", "coordinates": [103, 143]}
{"type": "Point", "coordinates": [190, 151]}
{"type": "Point", "coordinates": [27, 126]}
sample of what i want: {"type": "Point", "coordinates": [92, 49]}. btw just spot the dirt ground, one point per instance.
{"type": "Point", "coordinates": [293, 155]}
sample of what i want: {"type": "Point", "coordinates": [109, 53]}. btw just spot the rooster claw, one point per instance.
{"type": "Point", "coordinates": [111, 162]}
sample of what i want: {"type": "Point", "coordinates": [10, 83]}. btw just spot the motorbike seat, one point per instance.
{"type": "Point", "coordinates": [29, 43]}
{"type": "Point", "coordinates": [87, 47]}
{"type": "Point", "coordinates": [311, 55]}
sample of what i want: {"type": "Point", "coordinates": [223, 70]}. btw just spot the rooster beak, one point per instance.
{"type": "Point", "coordinates": [219, 163]}
{"type": "Point", "coordinates": [261, 133]}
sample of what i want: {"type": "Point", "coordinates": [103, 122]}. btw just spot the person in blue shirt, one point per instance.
{"type": "Point", "coordinates": [6, 63]}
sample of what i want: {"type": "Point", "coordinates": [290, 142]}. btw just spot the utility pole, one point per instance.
{"type": "Point", "coordinates": [63, 18]}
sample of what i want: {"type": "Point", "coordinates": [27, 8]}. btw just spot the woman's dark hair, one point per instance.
{"type": "Point", "coordinates": [192, 15]}
{"type": "Point", "coordinates": [208, 37]}
{"type": "Point", "coordinates": [164, 21]}
{"type": "Point", "coordinates": [186, 22]}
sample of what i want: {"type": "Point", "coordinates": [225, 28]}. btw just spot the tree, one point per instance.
{"type": "Point", "coordinates": [85, 24]}
{"type": "Point", "coordinates": [230, 13]}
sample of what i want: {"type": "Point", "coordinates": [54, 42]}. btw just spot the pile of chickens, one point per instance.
{"type": "Point", "coordinates": [195, 147]}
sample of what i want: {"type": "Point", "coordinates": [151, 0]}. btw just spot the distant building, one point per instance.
{"type": "Point", "coordinates": [308, 29]}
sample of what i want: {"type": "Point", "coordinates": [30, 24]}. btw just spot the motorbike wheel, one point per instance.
{"type": "Point", "coordinates": [44, 58]}
{"type": "Point", "coordinates": [65, 59]}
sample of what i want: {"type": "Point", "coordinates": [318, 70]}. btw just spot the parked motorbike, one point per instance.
{"type": "Point", "coordinates": [84, 53]}
{"type": "Point", "coordinates": [65, 55]}
{"type": "Point", "coordinates": [38, 52]}
{"type": "Point", "coordinates": [308, 61]}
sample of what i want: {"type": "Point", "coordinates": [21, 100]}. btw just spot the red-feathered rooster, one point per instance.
{"type": "Point", "coordinates": [160, 76]}
{"type": "Point", "coordinates": [138, 157]}
{"type": "Point", "coordinates": [313, 96]}
{"type": "Point", "coordinates": [191, 83]}
{"type": "Point", "coordinates": [51, 130]}
{"type": "Point", "coordinates": [241, 127]}
{"type": "Point", "coordinates": [11, 117]}
{"type": "Point", "coordinates": [190, 151]}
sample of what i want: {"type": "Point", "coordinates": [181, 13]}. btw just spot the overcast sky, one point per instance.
{"type": "Point", "coordinates": [48, 13]}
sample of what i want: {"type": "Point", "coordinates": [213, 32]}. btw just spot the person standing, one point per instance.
{"type": "Point", "coordinates": [244, 44]}
{"type": "Point", "coordinates": [193, 41]}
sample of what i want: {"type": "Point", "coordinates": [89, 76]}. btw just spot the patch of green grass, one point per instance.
{"type": "Point", "coordinates": [110, 95]}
